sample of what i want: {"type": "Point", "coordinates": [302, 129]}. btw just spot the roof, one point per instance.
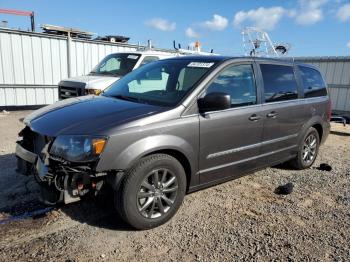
{"type": "Point", "coordinates": [223, 58]}
{"type": "Point", "coordinates": [213, 58]}
{"type": "Point", "coordinates": [323, 58]}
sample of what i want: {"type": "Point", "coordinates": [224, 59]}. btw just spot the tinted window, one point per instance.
{"type": "Point", "coordinates": [279, 83]}
{"type": "Point", "coordinates": [188, 77]}
{"type": "Point", "coordinates": [313, 83]}
{"type": "Point", "coordinates": [238, 82]}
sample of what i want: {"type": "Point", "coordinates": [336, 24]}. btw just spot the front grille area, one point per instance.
{"type": "Point", "coordinates": [67, 89]}
{"type": "Point", "coordinates": [68, 92]}
{"type": "Point", "coordinates": [34, 142]}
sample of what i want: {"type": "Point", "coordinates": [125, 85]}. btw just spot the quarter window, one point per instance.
{"type": "Point", "coordinates": [313, 83]}
{"type": "Point", "coordinates": [238, 82]}
{"type": "Point", "coordinates": [279, 83]}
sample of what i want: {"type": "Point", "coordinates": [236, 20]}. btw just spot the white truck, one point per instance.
{"type": "Point", "coordinates": [109, 70]}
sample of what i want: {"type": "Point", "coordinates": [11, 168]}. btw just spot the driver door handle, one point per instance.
{"type": "Point", "coordinates": [272, 114]}
{"type": "Point", "coordinates": [254, 117]}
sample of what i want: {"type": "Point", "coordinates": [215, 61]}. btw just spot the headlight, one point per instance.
{"type": "Point", "coordinates": [93, 91]}
{"type": "Point", "coordinates": [78, 148]}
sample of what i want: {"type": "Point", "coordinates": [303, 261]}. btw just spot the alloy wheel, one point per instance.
{"type": "Point", "coordinates": [157, 193]}
{"type": "Point", "coordinates": [309, 149]}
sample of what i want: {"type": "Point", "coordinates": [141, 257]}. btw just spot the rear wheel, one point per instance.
{"type": "Point", "coordinates": [152, 191]}
{"type": "Point", "coordinates": [308, 150]}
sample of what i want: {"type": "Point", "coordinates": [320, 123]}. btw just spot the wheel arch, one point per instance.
{"type": "Point", "coordinates": [319, 130]}
{"type": "Point", "coordinates": [179, 156]}
{"type": "Point", "coordinates": [171, 145]}
{"type": "Point", "coordinates": [315, 122]}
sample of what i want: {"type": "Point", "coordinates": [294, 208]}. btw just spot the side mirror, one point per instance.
{"type": "Point", "coordinates": [214, 101]}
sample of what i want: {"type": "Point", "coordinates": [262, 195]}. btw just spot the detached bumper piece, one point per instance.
{"type": "Point", "coordinates": [25, 154]}
{"type": "Point", "coordinates": [60, 181]}
{"type": "Point", "coordinates": [25, 159]}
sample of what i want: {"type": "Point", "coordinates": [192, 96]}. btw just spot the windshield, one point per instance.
{"type": "Point", "coordinates": [116, 64]}
{"type": "Point", "coordinates": [163, 83]}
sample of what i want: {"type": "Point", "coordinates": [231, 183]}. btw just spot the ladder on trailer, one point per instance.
{"type": "Point", "coordinates": [257, 42]}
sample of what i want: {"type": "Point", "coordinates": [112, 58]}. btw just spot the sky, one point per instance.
{"type": "Point", "coordinates": [311, 27]}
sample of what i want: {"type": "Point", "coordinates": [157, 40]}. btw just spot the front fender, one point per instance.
{"type": "Point", "coordinates": [132, 153]}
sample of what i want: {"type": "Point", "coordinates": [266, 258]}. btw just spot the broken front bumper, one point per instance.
{"type": "Point", "coordinates": [58, 182]}
{"type": "Point", "coordinates": [27, 160]}
{"type": "Point", "coordinates": [24, 154]}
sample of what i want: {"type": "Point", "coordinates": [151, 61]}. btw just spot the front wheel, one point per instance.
{"type": "Point", "coordinates": [152, 191]}
{"type": "Point", "coordinates": [308, 150]}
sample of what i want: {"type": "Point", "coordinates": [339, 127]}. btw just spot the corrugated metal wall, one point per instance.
{"type": "Point", "coordinates": [32, 64]}
{"type": "Point", "coordinates": [336, 70]}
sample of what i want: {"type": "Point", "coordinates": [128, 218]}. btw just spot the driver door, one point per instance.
{"type": "Point", "coordinates": [230, 139]}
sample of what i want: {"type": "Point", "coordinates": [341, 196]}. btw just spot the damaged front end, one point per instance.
{"type": "Point", "coordinates": [64, 166]}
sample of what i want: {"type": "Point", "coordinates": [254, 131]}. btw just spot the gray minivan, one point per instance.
{"type": "Point", "coordinates": [175, 126]}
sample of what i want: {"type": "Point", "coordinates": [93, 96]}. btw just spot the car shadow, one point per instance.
{"type": "Point", "coordinates": [97, 212]}
{"type": "Point", "coordinates": [284, 166]}
{"type": "Point", "coordinates": [18, 193]}
{"type": "Point", "coordinates": [338, 133]}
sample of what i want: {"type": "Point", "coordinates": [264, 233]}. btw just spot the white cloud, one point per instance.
{"type": "Point", "coordinates": [161, 24]}
{"type": "Point", "coordinates": [343, 13]}
{"type": "Point", "coordinates": [313, 4]}
{"type": "Point", "coordinates": [264, 18]}
{"type": "Point", "coordinates": [309, 17]}
{"type": "Point", "coordinates": [348, 44]}
{"type": "Point", "coordinates": [218, 23]}
{"type": "Point", "coordinates": [310, 12]}
{"type": "Point", "coordinates": [191, 33]}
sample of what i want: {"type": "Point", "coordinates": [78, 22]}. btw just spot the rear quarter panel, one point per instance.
{"type": "Point", "coordinates": [317, 112]}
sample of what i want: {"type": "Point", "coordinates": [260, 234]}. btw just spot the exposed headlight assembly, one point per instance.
{"type": "Point", "coordinates": [78, 148]}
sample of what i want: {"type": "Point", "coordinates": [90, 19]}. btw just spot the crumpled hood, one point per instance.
{"type": "Point", "coordinates": [94, 81]}
{"type": "Point", "coordinates": [86, 115]}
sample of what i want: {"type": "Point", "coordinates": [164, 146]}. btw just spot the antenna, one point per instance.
{"type": "Point", "coordinates": [256, 42]}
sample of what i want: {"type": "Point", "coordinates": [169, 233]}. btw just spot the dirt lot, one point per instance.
{"type": "Point", "coordinates": [241, 219]}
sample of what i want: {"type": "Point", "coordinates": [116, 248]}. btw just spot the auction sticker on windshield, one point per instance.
{"type": "Point", "coordinates": [132, 56]}
{"type": "Point", "coordinates": [200, 64]}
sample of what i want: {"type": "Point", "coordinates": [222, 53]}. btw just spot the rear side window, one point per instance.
{"type": "Point", "coordinates": [313, 83]}
{"type": "Point", "coordinates": [279, 83]}
{"type": "Point", "coordinates": [238, 82]}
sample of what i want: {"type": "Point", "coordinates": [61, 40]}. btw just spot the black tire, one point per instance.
{"type": "Point", "coordinates": [128, 203]}
{"type": "Point", "coordinates": [299, 162]}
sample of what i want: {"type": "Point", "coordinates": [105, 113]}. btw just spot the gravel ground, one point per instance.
{"type": "Point", "coordinates": [239, 220]}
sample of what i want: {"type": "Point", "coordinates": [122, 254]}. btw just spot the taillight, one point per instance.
{"type": "Point", "coordinates": [329, 113]}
